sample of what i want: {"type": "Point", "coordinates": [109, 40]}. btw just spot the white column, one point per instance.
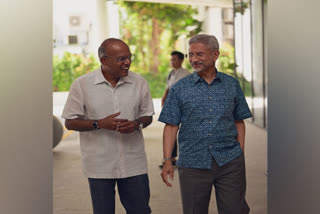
{"type": "Point", "coordinates": [113, 19]}
{"type": "Point", "coordinates": [99, 25]}
{"type": "Point", "coordinates": [213, 23]}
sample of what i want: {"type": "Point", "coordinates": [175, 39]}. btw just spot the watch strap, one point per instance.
{"type": "Point", "coordinates": [95, 124]}
{"type": "Point", "coordinates": [166, 159]}
{"type": "Point", "coordinates": [140, 127]}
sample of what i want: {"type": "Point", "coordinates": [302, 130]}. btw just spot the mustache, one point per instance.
{"type": "Point", "coordinates": [196, 63]}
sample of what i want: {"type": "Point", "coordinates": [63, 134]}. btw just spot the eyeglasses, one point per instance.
{"type": "Point", "coordinates": [199, 54]}
{"type": "Point", "coordinates": [191, 55]}
{"type": "Point", "coordinates": [121, 58]}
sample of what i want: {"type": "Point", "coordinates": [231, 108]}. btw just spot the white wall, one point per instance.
{"type": "Point", "coordinates": [100, 22]}
{"type": "Point", "coordinates": [294, 107]}
{"type": "Point", "coordinates": [26, 107]}
{"type": "Point", "coordinates": [213, 23]}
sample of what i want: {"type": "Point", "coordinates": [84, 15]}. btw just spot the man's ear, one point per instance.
{"type": "Point", "coordinates": [102, 60]}
{"type": "Point", "coordinates": [216, 55]}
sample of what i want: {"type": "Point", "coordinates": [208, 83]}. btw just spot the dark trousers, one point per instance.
{"type": "Point", "coordinates": [229, 182]}
{"type": "Point", "coordinates": [134, 194]}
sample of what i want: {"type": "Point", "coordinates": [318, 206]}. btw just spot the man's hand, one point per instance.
{"type": "Point", "coordinates": [127, 126]}
{"type": "Point", "coordinates": [167, 170]}
{"type": "Point", "coordinates": [111, 122]}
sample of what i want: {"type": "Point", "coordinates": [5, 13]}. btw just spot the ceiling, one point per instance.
{"type": "Point", "coordinates": [211, 3]}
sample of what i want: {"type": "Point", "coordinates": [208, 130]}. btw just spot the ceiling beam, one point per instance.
{"type": "Point", "coordinates": [211, 3]}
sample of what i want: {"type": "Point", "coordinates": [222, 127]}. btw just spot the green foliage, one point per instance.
{"type": "Point", "coordinates": [157, 83]}
{"type": "Point", "coordinates": [226, 60]}
{"type": "Point", "coordinates": [152, 31]}
{"type": "Point", "coordinates": [241, 6]}
{"type": "Point", "coordinates": [67, 68]}
{"type": "Point", "coordinates": [227, 65]}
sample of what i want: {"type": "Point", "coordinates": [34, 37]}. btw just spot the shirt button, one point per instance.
{"type": "Point", "coordinates": [210, 110]}
{"type": "Point", "coordinates": [210, 147]}
{"type": "Point", "coordinates": [210, 134]}
{"type": "Point", "coordinates": [210, 122]}
{"type": "Point", "coordinates": [210, 98]}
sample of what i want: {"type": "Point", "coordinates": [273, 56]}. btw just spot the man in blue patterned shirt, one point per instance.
{"type": "Point", "coordinates": [209, 107]}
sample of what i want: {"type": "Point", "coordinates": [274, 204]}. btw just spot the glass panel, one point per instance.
{"type": "Point", "coordinates": [242, 26]}
{"type": "Point", "coordinates": [258, 64]}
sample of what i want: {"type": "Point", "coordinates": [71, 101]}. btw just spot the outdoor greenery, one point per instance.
{"type": "Point", "coordinates": [226, 65]}
{"type": "Point", "coordinates": [152, 31]}
{"type": "Point", "coordinates": [67, 68]}
{"type": "Point", "coordinates": [70, 66]}
{"type": "Point", "coordinates": [241, 6]}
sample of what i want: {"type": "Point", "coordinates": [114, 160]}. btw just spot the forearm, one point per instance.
{"type": "Point", "coordinates": [241, 129]}
{"type": "Point", "coordinates": [79, 124]}
{"type": "Point", "coordinates": [146, 120]}
{"type": "Point", "coordinates": [164, 97]}
{"type": "Point", "coordinates": [169, 137]}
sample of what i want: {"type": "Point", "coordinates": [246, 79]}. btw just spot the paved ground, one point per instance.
{"type": "Point", "coordinates": [71, 192]}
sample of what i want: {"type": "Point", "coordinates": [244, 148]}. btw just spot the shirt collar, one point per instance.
{"type": "Point", "coordinates": [99, 78]}
{"type": "Point", "coordinates": [197, 78]}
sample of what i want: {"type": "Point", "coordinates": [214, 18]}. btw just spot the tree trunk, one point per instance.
{"type": "Point", "coordinates": [155, 45]}
{"type": "Point", "coordinates": [141, 44]}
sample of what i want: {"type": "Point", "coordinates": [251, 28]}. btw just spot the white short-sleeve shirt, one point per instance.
{"type": "Point", "coordinates": [175, 75]}
{"type": "Point", "coordinates": [106, 153]}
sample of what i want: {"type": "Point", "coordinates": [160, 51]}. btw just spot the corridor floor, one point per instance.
{"type": "Point", "coordinates": [71, 191]}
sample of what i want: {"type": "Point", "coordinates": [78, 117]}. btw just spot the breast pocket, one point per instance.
{"type": "Point", "coordinates": [130, 104]}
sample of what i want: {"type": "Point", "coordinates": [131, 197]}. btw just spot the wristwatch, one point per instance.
{"type": "Point", "coordinates": [166, 159]}
{"type": "Point", "coordinates": [95, 124]}
{"type": "Point", "coordinates": [140, 127]}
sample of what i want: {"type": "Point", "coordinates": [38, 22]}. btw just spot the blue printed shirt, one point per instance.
{"type": "Point", "coordinates": [206, 114]}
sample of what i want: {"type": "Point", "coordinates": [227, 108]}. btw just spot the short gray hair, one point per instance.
{"type": "Point", "coordinates": [209, 40]}
{"type": "Point", "coordinates": [101, 51]}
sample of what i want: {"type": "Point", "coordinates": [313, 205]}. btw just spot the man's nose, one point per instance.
{"type": "Point", "coordinates": [127, 60]}
{"type": "Point", "coordinates": [193, 59]}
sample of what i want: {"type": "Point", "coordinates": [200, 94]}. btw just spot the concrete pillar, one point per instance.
{"type": "Point", "coordinates": [213, 23]}
{"type": "Point", "coordinates": [98, 25]}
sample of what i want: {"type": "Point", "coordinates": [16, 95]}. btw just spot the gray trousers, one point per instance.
{"type": "Point", "coordinates": [229, 182]}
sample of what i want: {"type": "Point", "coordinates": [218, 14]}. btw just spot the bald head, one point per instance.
{"type": "Point", "coordinates": [108, 44]}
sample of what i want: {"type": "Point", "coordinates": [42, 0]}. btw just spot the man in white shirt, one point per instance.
{"type": "Point", "coordinates": [174, 76]}
{"type": "Point", "coordinates": [109, 107]}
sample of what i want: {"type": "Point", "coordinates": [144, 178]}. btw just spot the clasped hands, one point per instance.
{"type": "Point", "coordinates": [123, 126]}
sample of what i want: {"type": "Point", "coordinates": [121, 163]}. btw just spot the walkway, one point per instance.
{"type": "Point", "coordinates": [71, 192]}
